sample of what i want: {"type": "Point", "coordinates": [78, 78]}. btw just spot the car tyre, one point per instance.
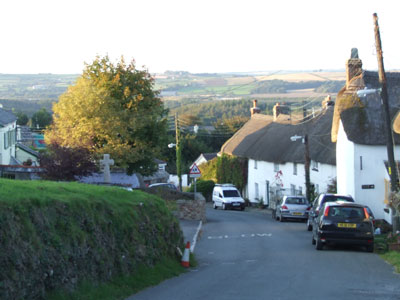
{"type": "Point", "coordinates": [312, 240]}
{"type": "Point", "coordinates": [281, 219]}
{"type": "Point", "coordinates": [318, 244]}
{"type": "Point", "coordinates": [242, 208]}
{"type": "Point", "coordinates": [370, 248]}
{"type": "Point", "coordinates": [223, 206]}
{"type": "Point", "coordinates": [215, 205]}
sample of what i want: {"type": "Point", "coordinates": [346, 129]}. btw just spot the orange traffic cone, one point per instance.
{"type": "Point", "coordinates": [185, 256]}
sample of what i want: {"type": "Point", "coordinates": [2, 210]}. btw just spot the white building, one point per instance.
{"type": "Point", "coordinates": [359, 132]}
{"type": "Point", "coordinates": [8, 125]}
{"type": "Point", "coordinates": [275, 162]}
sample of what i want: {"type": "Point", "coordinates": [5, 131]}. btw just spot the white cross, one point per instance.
{"type": "Point", "coordinates": [107, 162]}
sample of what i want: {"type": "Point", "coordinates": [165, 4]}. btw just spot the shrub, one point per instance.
{"type": "Point", "coordinates": [205, 187]}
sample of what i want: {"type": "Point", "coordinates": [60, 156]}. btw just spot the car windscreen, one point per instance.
{"type": "Point", "coordinates": [346, 212]}
{"type": "Point", "coordinates": [231, 193]}
{"type": "Point", "coordinates": [298, 200]}
{"type": "Point", "coordinates": [337, 198]}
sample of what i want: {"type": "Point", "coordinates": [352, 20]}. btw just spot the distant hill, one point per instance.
{"type": "Point", "coordinates": [30, 92]}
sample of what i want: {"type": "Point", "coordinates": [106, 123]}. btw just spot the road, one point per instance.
{"type": "Point", "coordinates": [248, 255]}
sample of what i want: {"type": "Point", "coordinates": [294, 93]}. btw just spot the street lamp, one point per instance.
{"type": "Point", "coordinates": [306, 162]}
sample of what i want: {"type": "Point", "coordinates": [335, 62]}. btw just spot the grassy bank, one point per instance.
{"type": "Point", "coordinates": [56, 235]}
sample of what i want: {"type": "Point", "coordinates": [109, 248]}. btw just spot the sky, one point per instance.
{"type": "Point", "coordinates": [208, 36]}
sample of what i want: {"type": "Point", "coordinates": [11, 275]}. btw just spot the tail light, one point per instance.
{"type": "Point", "coordinates": [366, 213]}
{"type": "Point", "coordinates": [326, 211]}
{"type": "Point", "coordinates": [284, 207]}
{"type": "Point", "coordinates": [308, 208]}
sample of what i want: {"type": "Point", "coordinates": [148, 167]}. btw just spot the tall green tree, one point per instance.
{"type": "Point", "coordinates": [112, 109]}
{"type": "Point", "coordinates": [22, 119]}
{"type": "Point", "coordinates": [41, 118]}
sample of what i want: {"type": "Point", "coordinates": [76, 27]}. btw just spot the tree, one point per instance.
{"type": "Point", "coordinates": [63, 163]}
{"type": "Point", "coordinates": [22, 119]}
{"type": "Point", "coordinates": [112, 109]}
{"type": "Point", "coordinates": [41, 118]}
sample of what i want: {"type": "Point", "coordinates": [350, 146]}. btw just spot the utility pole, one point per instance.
{"type": "Point", "coordinates": [386, 114]}
{"type": "Point", "coordinates": [307, 167]}
{"type": "Point", "coordinates": [178, 152]}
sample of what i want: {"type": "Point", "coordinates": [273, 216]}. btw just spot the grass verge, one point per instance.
{"type": "Point", "coordinates": [123, 287]}
{"type": "Point", "coordinates": [393, 258]}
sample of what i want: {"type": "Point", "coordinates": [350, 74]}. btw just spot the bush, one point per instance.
{"type": "Point", "coordinates": [205, 187]}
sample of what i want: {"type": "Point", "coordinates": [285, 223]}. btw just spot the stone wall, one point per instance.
{"type": "Point", "coordinates": [192, 209]}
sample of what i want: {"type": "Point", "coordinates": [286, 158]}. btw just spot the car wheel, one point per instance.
{"type": "Point", "coordinates": [242, 208]}
{"type": "Point", "coordinates": [370, 248]}
{"type": "Point", "coordinates": [273, 214]}
{"type": "Point", "coordinates": [313, 240]}
{"type": "Point", "coordinates": [309, 227]}
{"type": "Point", "coordinates": [223, 206]}
{"type": "Point", "coordinates": [281, 219]}
{"type": "Point", "coordinates": [215, 206]}
{"type": "Point", "coordinates": [318, 244]}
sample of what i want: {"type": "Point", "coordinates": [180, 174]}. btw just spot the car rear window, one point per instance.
{"type": "Point", "coordinates": [231, 193]}
{"type": "Point", "coordinates": [296, 200]}
{"type": "Point", "coordinates": [347, 212]}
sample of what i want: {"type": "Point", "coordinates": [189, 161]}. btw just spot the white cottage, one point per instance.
{"type": "Point", "coordinates": [275, 162]}
{"type": "Point", "coordinates": [8, 125]}
{"type": "Point", "coordinates": [358, 130]}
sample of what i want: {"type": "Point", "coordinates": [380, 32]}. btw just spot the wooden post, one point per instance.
{"type": "Point", "coordinates": [385, 107]}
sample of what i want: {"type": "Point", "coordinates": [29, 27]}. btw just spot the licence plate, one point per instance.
{"type": "Point", "coordinates": [235, 204]}
{"type": "Point", "coordinates": [297, 214]}
{"type": "Point", "coordinates": [347, 225]}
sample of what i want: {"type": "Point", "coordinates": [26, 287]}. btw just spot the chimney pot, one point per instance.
{"type": "Point", "coordinates": [254, 110]}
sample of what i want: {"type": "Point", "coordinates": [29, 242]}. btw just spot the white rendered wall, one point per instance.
{"type": "Point", "coordinates": [5, 154]}
{"type": "Point", "coordinates": [369, 170]}
{"type": "Point", "coordinates": [265, 172]}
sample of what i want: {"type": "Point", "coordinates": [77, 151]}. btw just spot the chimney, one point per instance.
{"type": "Point", "coordinates": [353, 66]}
{"type": "Point", "coordinates": [254, 110]}
{"type": "Point", "coordinates": [327, 102]}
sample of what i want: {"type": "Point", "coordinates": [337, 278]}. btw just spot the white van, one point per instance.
{"type": "Point", "coordinates": [227, 196]}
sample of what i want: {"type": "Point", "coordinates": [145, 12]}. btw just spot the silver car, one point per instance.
{"type": "Point", "coordinates": [292, 207]}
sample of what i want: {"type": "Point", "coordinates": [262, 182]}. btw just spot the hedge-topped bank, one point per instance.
{"type": "Point", "coordinates": [54, 235]}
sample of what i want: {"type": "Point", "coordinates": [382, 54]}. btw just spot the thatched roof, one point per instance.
{"type": "Point", "coordinates": [362, 117]}
{"type": "Point", "coordinates": [396, 123]}
{"type": "Point", "coordinates": [262, 139]}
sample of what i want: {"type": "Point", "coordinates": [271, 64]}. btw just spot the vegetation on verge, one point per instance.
{"type": "Point", "coordinates": [55, 235]}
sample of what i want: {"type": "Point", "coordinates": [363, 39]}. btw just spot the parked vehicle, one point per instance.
{"type": "Point", "coordinates": [343, 223]}
{"type": "Point", "coordinates": [227, 196]}
{"type": "Point", "coordinates": [169, 186]}
{"type": "Point", "coordinates": [292, 207]}
{"type": "Point", "coordinates": [319, 201]}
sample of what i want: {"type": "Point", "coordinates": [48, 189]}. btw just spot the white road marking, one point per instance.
{"type": "Point", "coordinates": [220, 237]}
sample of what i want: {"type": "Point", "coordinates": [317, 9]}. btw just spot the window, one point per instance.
{"type": "Point", "coordinates": [300, 190]}
{"type": "Point", "coordinates": [256, 190]}
{"type": "Point", "coordinates": [294, 168]}
{"type": "Point", "coordinates": [314, 165]}
{"type": "Point", "coordinates": [255, 164]}
{"type": "Point", "coordinates": [276, 167]}
{"type": "Point", "coordinates": [361, 163]}
{"type": "Point", "coordinates": [317, 188]}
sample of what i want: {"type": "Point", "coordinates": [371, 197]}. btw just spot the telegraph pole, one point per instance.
{"type": "Point", "coordinates": [307, 167]}
{"type": "Point", "coordinates": [178, 152]}
{"type": "Point", "coordinates": [388, 127]}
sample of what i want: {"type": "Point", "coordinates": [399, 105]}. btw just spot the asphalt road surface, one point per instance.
{"type": "Point", "coordinates": [248, 255]}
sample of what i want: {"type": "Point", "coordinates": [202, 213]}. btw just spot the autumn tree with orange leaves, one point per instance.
{"type": "Point", "coordinates": [112, 108]}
